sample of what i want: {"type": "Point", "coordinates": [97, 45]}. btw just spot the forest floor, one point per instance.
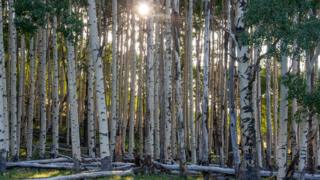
{"type": "Point", "coordinates": [28, 173]}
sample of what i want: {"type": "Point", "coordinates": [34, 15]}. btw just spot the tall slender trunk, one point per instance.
{"type": "Point", "coordinates": [21, 104]}
{"type": "Point", "coordinates": [283, 122]}
{"type": "Point", "coordinates": [178, 96]}
{"type": "Point", "coordinates": [275, 108]}
{"type": "Point", "coordinates": [73, 104]}
{"type": "Point", "coordinates": [31, 100]}
{"type": "Point", "coordinates": [55, 92]}
{"type": "Point", "coordinates": [249, 167]}
{"type": "Point", "coordinates": [114, 114]}
{"type": "Point", "coordinates": [100, 89]}
{"type": "Point", "coordinates": [13, 81]}
{"type": "Point", "coordinates": [3, 100]}
{"type": "Point", "coordinates": [132, 85]}
{"type": "Point", "coordinates": [204, 121]}
{"type": "Point", "coordinates": [190, 79]}
{"type": "Point", "coordinates": [167, 84]}
{"type": "Point", "coordinates": [268, 113]}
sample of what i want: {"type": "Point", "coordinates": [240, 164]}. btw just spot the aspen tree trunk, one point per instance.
{"type": "Point", "coordinates": [13, 82]}
{"type": "Point", "coordinates": [21, 91]}
{"type": "Point", "coordinates": [268, 113]}
{"type": "Point", "coordinates": [275, 108]}
{"type": "Point", "coordinates": [249, 166]}
{"type": "Point", "coordinates": [114, 114]}
{"type": "Point", "coordinates": [283, 122]}
{"type": "Point", "coordinates": [4, 86]}
{"type": "Point", "coordinates": [255, 99]}
{"type": "Point", "coordinates": [190, 62]}
{"type": "Point", "coordinates": [132, 85]}
{"type": "Point", "coordinates": [157, 58]}
{"type": "Point", "coordinates": [31, 100]}
{"type": "Point", "coordinates": [43, 97]}
{"type": "Point", "coordinates": [204, 121]}
{"type": "Point", "coordinates": [167, 84]}
{"type": "Point", "coordinates": [231, 93]}
{"type": "Point", "coordinates": [198, 113]}
{"type": "Point", "coordinates": [294, 125]}
{"type": "Point", "coordinates": [100, 90]}
{"type": "Point", "coordinates": [3, 100]}
{"type": "Point", "coordinates": [149, 149]}
{"type": "Point", "coordinates": [73, 104]}
{"type": "Point", "coordinates": [55, 92]}
{"type": "Point", "coordinates": [178, 96]}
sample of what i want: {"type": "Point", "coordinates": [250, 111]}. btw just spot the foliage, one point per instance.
{"type": "Point", "coordinates": [30, 14]}
{"type": "Point", "coordinates": [298, 89]}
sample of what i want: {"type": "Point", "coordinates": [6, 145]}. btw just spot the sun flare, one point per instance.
{"type": "Point", "coordinates": [143, 8]}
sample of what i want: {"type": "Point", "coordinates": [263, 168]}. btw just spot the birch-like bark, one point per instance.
{"type": "Point", "coordinates": [149, 140]}
{"type": "Point", "coordinates": [132, 85]}
{"type": "Point", "coordinates": [55, 92]}
{"type": "Point", "coordinates": [268, 113]}
{"type": "Point", "coordinates": [3, 100]}
{"type": "Point", "coordinates": [204, 121]}
{"type": "Point", "coordinates": [43, 94]}
{"type": "Point", "coordinates": [283, 122]}
{"type": "Point", "coordinates": [190, 63]}
{"type": "Point", "coordinates": [21, 90]}
{"type": "Point", "coordinates": [4, 85]}
{"type": "Point", "coordinates": [114, 77]}
{"type": "Point", "coordinates": [275, 108]}
{"type": "Point", "coordinates": [249, 167]}
{"type": "Point", "coordinates": [167, 84]}
{"type": "Point", "coordinates": [13, 81]}
{"type": "Point", "coordinates": [178, 96]}
{"type": "Point", "coordinates": [73, 105]}
{"type": "Point", "coordinates": [157, 58]}
{"type": "Point", "coordinates": [31, 100]}
{"type": "Point", "coordinates": [100, 90]}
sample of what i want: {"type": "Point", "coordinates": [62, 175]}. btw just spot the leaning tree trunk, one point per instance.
{"type": "Point", "coordinates": [178, 96]}
{"type": "Point", "coordinates": [55, 92]}
{"type": "Point", "coordinates": [114, 77]}
{"type": "Point", "coordinates": [100, 90]}
{"type": "Point", "coordinates": [13, 81]}
{"type": "Point", "coordinates": [73, 105]}
{"type": "Point", "coordinates": [31, 100]}
{"type": "Point", "coordinates": [283, 123]}
{"type": "Point", "coordinates": [167, 84]}
{"type": "Point", "coordinates": [43, 111]}
{"type": "Point", "coordinates": [204, 121]}
{"type": "Point", "coordinates": [249, 167]}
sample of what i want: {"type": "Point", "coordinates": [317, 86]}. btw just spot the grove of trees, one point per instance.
{"type": "Point", "coordinates": [119, 86]}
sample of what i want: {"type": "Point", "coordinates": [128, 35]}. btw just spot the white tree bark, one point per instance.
{"type": "Point", "coordinates": [73, 104]}
{"type": "Point", "coordinates": [249, 167]}
{"type": "Point", "coordinates": [21, 90]}
{"type": "Point", "coordinates": [114, 114]}
{"type": "Point", "coordinates": [268, 112]}
{"type": "Point", "coordinates": [43, 93]}
{"type": "Point", "coordinates": [167, 83]}
{"type": "Point", "coordinates": [190, 62]}
{"type": "Point", "coordinates": [13, 81]}
{"type": "Point", "coordinates": [55, 92]}
{"type": "Point", "coordinates": [31, 100]}
{"type": "Point", "coordinates": [149, 140]}
{"type": "Point", "coordinates": [100, 90]}
{"type": "Point", "coordinates": [283, 123]}
{"type": "Point", "coordinates": [3, 88]}
{"type": "Point", "coordinates": [132, 85]}
{"type": "Point", "coordinates": [3, 121]}
{"type": "Point", "coordinates": [178, 96]}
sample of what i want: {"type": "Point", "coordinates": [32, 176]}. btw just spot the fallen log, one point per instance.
{"type": "Point", "coordinates": [228, 171]}
{"type": "Point", "coordinates": [64, 166]}
{"type": "Point", "coordinates": [95, 174]}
